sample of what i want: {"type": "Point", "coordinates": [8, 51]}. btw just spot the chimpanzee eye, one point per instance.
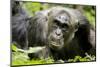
{"type": "Point", "coordinates": [57, 22]}
{"type": "Point", "coordinates": [64, 27]}
{"type": "Point", "coordinates": [54, 26]}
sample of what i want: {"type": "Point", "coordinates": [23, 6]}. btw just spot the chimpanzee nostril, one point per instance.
{"type": "Point", "coordinates": [58, 34]}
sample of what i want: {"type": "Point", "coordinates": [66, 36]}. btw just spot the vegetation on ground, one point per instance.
{"type": "Point", "coordinates": [20, 57]}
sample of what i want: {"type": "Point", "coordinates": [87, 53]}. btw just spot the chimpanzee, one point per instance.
{"type": "Point", "coordinates": [65, 32]}
{"type": "Point", "coordinates": [20, 23]}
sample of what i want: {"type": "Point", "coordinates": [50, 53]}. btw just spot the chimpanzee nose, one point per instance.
{"type": "Point", "coordinates": [58, 32]}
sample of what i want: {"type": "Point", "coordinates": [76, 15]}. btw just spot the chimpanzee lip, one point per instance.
{"type": "Point", "coordinates": [54, 44]}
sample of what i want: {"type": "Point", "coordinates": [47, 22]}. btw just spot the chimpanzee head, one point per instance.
{"type": "Point", "coordinates": [62, 27]}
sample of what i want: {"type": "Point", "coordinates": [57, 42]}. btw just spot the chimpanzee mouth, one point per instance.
{"type": "Point", "coordinates": [55, 45]}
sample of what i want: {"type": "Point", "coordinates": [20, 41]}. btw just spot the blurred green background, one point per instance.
{"type": "Point", "coordinates": [88, 10]}
{"type": "Point", "coordinates": [19, 58]}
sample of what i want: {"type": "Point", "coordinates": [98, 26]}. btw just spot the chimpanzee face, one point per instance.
{"type": "Point", "coordinates": [61, 30]}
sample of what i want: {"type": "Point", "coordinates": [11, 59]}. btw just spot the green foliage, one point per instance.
{"type": "Point", "coordinates": [90, 13]}
{"type": "Point", "coordinates": [20, 57]}
{"type": "Point", "coordinates": [84, 59]}
{"type": "Point", "coordinates": [33, 7]}
{"type": "Point", "coordinates": [14, 48]}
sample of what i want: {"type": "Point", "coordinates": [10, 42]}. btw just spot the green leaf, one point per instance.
{"type": "Point", "coordinates": [14, 48]}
